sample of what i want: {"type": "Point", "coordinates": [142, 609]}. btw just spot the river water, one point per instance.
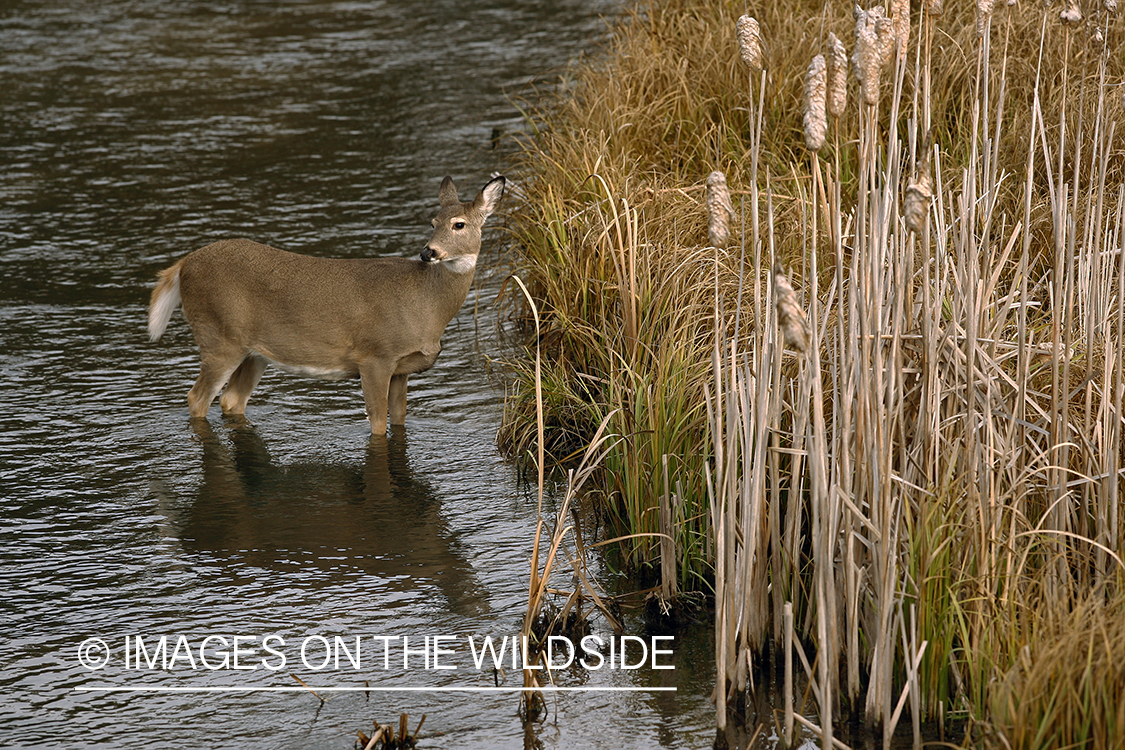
{"type": "Point", "coordinates": [134, 131]}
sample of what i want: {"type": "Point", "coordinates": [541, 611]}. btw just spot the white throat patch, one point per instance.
{"type": "Point", "coordinates": [461, 264]}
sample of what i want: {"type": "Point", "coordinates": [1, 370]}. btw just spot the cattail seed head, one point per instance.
{"type": "Point", "coordinates": [1110, 6]}
{"type": "Point", "coordinates": [837, 60]}
{"type": "Point", "coordinates": [794, 324]}
{"type": "Point", "coordinates": [1072, 15]}
{"type": "Point", "coordinates": [916, 202]}
{"type": "Point", "coordinates": [984, 15]}
{"type": "Point", "coordinates": [750, 42]}
{"type": "Point", "coordinates": [816, 119]}
{"type": "Point", "coordinates": [885, 33]}
{"type": "Point", "coordinates": [933, 7]}
{"type": "Point", "coordinates": [900, 18]}
{"type": "Point", "coordinates": [874, 49]}
{"type": "Point", "coordinates": [720, 210]}
{"type": "Point", "coordinates": [920, 192]}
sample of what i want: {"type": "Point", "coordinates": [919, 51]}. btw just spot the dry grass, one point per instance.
{"type": "Point", "coordinates": [947, 455]}
{"type": "Point", "coordinates": [1067, 688]}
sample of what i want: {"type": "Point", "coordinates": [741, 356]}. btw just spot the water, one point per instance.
{"type": "Point", "coordinates": [134, 131]}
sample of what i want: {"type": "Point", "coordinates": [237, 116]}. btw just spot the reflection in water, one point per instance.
{"type": "Point", "coordinates": [380, 519]}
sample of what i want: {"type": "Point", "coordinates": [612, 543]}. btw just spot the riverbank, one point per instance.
{"type": "Point", "coordinates": [935, 483]}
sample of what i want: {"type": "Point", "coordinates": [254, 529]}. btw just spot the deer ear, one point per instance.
{"type": "Point", "coordinates": [490, 195]}
{"type": "Point", "coordinates": [448, 192]}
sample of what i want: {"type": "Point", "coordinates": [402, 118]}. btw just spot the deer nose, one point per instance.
{"type": "Point", "coordinates": [428, 254]}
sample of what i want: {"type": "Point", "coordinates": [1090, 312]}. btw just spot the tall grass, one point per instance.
{"type": "Point", "coordinates": [945, 460]}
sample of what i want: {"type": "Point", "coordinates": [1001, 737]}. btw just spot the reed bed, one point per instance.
{"type": "Point", "coordinates": [888, 399]}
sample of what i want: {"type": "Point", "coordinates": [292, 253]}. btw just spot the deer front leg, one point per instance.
{"type": "Point", "coordinates": [375, 377]}
{"type": "Point", "coordinates": [398, 399]}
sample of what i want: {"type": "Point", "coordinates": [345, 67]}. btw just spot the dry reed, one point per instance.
{"type": "Point", "coordinates": [947, 456]}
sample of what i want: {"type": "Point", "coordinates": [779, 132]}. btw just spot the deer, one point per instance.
{"type": "Point", "coordinates": [381, 320]}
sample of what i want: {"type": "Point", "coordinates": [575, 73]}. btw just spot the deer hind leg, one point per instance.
{"type": "Point", "coordinates": [215, 369]}
{"type": "Point", "coordinates": [241, 384]}
{"type": "Point", "coordinates": [375, 377]}
{"type": "Point", "coordinates": [397, 399]}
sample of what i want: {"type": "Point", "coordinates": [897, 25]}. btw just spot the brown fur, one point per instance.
{"type": "Point", "coordinates": [378, 319]}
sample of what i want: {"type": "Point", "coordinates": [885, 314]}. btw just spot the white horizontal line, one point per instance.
{"type": "Point", "coordinates": [250, 689]}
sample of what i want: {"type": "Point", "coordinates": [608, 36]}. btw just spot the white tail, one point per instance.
{"type": "Point", "coordinates": [378, 319]}
{"type": "Point", "coordinates": [165, 300]}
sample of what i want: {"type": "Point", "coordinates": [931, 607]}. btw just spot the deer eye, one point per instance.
{"type": "Point", "coordinates": [459, 225]}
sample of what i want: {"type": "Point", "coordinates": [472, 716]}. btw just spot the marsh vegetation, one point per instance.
{"type": "Point", "coordinates": [887, 400]}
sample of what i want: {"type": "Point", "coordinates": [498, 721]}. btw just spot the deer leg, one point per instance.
{"type": "Point", "coordinates": [375, 377]}
{"type": "Point", "coordinates": [213, 374]}
{"type": "Point", "coordinates": [241, 384]}
{"type": "Point", "coordinates": [397, 399]}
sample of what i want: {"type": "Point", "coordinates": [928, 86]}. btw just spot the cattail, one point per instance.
{"type": "Point", "coordinates": [1072, 16]}
{"type": "Point", "coordinates": [1110, 6]}
{"type": "Point", "coordinates": [919, 193]}
{"type": "Point", "coordinates": [984, 16]}
{"type": "Point", "coordinates": [885, 34]}
{"type": "Point", "coordinates": [933, 7]}
{"type": "Point", "coordinates": [874, 49]}
{"type": "Point", "coordinates": [750, 42]}
{"type": "Point", "coordinates": [837, 76]}
{"type": "Point", "coordinates": [816, 121]}
{"type": "Point", "coordinates": [720, 210]}
{"type": "Point", "coordinates": [794, 324]}
{"type": "Point", "coordinates": [900, 18]}
{"type": "Point", "coordinates": [917, 202]}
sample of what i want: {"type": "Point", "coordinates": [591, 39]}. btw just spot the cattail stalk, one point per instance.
{"type": "Point", "coordinates": [816, 119]}
{"type": "Point", "coordinates": [720, 210]}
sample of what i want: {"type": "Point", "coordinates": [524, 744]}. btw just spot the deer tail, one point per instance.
{"type": "Point", "coordinates": [165, 300]}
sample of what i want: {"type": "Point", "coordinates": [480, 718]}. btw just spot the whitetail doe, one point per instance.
{"type": "Point", "coordinates": [378, 319]}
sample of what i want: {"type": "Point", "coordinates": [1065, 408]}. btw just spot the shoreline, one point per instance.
{"type": "Point", "coordinates": [901, 484]}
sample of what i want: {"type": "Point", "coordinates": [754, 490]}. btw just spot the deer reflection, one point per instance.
{"type": "Point", "coordinates": [335, 518]}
